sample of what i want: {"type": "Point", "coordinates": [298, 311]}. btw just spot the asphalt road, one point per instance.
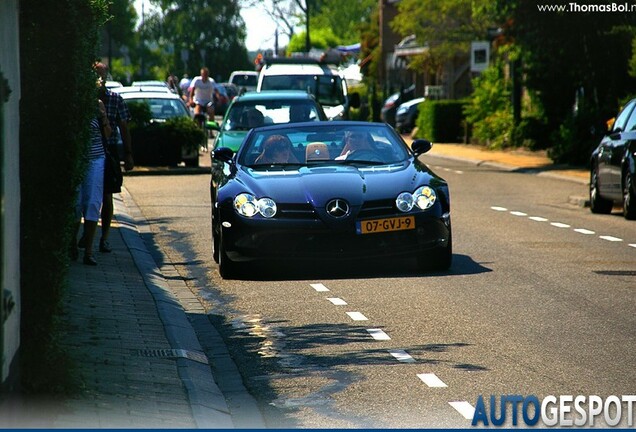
{"type": "Point", "coordinates": [539, 301]}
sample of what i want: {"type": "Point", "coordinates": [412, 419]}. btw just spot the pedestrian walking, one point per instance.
{"type": "Point", "coordinates": [118, 117]}
{"type": "Point", "coordinates": [91, 191]}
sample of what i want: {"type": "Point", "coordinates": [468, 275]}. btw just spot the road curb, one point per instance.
{"type": "Point", "coordinates": [153, 171]}
{"type": "Point", "coordinates": [209, 407]}
{"type": "Point", "coordinates": [512, 168]}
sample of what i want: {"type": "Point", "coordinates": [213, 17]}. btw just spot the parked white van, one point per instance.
{"type": "Point", "coordinates": [314, 77]}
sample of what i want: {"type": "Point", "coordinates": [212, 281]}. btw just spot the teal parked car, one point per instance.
{"type": "Point", "coordinates": [255, 109]}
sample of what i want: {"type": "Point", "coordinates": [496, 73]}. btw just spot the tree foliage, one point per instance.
{"type": "Point", "coordinates": [344, 18]}
{"type": "Point", "coordinates": [209, 32]}
{"type": "Point", "coordinates": [446, 27]}
{"type": "Point", "coordinates": [122, 22]}
{"type": "Point", "coordinates": [565, 53]}
{"type": "Point", "coordinates": [576, 63]}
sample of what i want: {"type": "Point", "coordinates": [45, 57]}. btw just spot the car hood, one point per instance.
{"type": "Point", "coordinates": [231, 139]}
{"type": "Point", "coordinates": [318, 185]}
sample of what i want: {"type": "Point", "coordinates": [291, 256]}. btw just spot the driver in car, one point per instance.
{"type": "Point", "coordinates": [357, 143]}
{"type": "Point", "coordinates": [276, 149]}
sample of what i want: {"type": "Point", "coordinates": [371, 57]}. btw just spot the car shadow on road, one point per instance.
{"type": "Point", "coordinates": [359, 269]}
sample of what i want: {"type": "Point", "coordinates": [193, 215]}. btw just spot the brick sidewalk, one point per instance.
{"type": "Point", "coordinates": [134, 349]}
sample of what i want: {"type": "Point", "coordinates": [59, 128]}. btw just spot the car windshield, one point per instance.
{"type": "Point", "coordinates": [245, 115]}
{"type": "Point", "coordinates": [161, 109]}
{"type": "Point", "coordinates": [359, 144]}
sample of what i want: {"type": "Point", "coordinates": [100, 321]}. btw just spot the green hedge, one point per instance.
{"type": "Point", "coordinates": [161, 143]}
{"type": "Point", "coordinates": [58, 41]}
{"type": "Point", "coordinates": [441, 121]}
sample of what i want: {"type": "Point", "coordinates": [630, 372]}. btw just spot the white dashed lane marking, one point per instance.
{"type": "Point", "coordinates": [378, 334]}
{"type": "Point", "coordinates": [464, 408]}
{"type": "Point", "coordinates": [319, 287]}
{"type": "Point", "coordinates": [584, 231]}
{"type": "Point", "coordinates": [402, 356]}
{"type": "Point", "coordinates": [357, 316]}
{"type": "Point", "coordinates": [431, 380]}
{"type": "Point", "coordinates": [337, 301]}
{"type": "Point", "coordinates": [560, 225]}
{"type": "Point", "coordinates": [538, 219]}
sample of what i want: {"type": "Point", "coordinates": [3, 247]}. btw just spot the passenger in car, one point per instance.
{"type": "Point", "coordinates": [299, 113]}
{"type": "Point", "coordinates": [276, 149]}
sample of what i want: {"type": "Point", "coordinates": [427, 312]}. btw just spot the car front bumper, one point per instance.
{"type": "Point", "coordinates": [259, 239]}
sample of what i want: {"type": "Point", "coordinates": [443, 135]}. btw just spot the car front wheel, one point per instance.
{"type": "Point", "coordinates": [439, 259]}
{"type": "Point", "coordinates": [629, 197]}
{"type": "Point", "coordinates": [597, 203]}
{"type": "Point", "coordinates": [228, 269]}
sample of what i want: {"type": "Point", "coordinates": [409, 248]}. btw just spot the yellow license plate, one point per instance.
{"type": "Point", "coordinates": [372, 226]}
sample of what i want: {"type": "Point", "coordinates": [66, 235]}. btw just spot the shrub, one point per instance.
{"type": "Point", "coordinates": [441, 121]}
{"type": "Point", "coordinates": [162, 143]}
{"type": "Point", "coordinates": [490, 111]}
{"type": "Point", "coordinates": [532, 133]}
{"type": "Point", "coordinates": [577, 137]}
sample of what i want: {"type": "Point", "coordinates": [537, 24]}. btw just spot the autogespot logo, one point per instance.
{"type": "Point", "coordinates": [560, 411]}
{"type": "Point", "coordinates": [338, 208]}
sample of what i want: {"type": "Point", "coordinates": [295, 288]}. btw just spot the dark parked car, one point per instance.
{"type": "Point", "coordinates": [391, 104]}
{"type": "Point", "coordinates": [613, 166]}
{"type": "Point", "coordinates": [406, 115]}
{"type": "Point", "coordinates": [389, 108]}
{"type": "Point", "coordinates": [327, 191]}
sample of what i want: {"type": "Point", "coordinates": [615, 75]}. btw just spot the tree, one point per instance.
{"type": "Point", "coordinates": [344, 19]}
{"type": "Point", "coordinates": [208, 32]}
{"type": "Point", "coordinates": [576, 63]}
{"type": "Point", "coordinates": [446, 27]}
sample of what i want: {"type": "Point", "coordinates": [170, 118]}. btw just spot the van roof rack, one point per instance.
{"type": "Point", "coordinates": [291, 60]}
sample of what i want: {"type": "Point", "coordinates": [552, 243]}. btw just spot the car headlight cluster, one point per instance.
{"type": "Point", "coordinates": [424, 197]}
{"type": "Point", "coordinates": [247, 205]}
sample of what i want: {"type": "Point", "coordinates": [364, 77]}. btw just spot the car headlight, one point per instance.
{"type": "Point", "coordinates": [247, 205]}
{"type": "Point", "coordinates": [424, 197]}
{"type": "Point", "coordinates": [405, 202]}
{"type": "Point", "coordinates": [267, 207]}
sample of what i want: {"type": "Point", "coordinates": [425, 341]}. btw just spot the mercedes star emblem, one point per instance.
{"type": "Point", "coordinates": [338, 208]}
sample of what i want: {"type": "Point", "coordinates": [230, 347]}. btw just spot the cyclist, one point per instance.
{"type": "Point", "coordinates": [201, 90]}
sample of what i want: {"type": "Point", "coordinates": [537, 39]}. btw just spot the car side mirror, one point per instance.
{"type": "Point", "coordinates": [212, 125]}
{"type": "Point", "coordinates": [223, 154]}
{"type": "Point", "coordinates": [421, 146]}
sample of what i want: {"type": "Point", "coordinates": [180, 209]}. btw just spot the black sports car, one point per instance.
{"type": "Point", "coordinates": [327, 190]}
{"type": "Point", "coordinates": [613, 166]}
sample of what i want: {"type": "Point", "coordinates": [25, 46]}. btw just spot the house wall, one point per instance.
{"type": "Point", "coordinates": [10, 193]}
